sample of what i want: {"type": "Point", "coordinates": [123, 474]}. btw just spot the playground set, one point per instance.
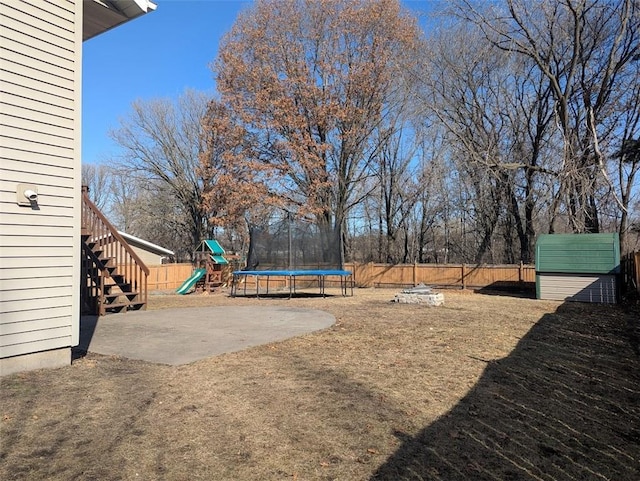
{"type": "Point", "coordinates": [209, 257]}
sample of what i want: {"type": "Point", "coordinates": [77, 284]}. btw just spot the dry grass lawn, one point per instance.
{"type": "Point", "coordinates": [484, 388]}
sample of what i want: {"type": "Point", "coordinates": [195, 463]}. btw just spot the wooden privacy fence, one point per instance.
{"type": "Point", "coordinates": [637, 266]}
{"type": "Point", "coordinates": [171, 276]}
{"type": "Point", "coordinates": [631, 271]}
{"type": "Point", "coordinates": [168, 276]}
{"type": "Point", "coordinates": [445, 275]}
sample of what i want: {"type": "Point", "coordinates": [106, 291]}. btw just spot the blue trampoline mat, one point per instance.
{"type": "Point", "coordinates": [295, 273]}
{"type": "Point", "coordinates": [321, 275]}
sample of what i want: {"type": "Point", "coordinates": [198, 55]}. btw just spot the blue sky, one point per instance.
{"type": "Point", "coordinates": [158, 55]}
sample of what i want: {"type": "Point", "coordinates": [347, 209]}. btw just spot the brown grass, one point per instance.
{"type": "Point", "coordinates": [485, 387]}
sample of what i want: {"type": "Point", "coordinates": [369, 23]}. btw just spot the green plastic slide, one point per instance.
{"type": "Point", "coordinates": [189, 283]}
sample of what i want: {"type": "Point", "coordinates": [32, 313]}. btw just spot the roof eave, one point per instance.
{"type": "Point", "coordinates": [150, 246]}
{"type": "Point", "coordinates": [102, 15]}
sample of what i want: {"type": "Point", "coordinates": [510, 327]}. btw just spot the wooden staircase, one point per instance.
{"type": "Point", "coordinates": [114, 279]}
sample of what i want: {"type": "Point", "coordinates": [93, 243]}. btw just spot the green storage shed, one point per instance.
{"type": "Point", "coordinates": [578, 267]}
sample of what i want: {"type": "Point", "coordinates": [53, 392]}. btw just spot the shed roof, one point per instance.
{"type": "Point", "coordinates": [578, 253]}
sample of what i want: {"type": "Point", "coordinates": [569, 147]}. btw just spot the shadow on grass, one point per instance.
{"type": "Point", "coordinates": [285, 295]}
{"type": "Point", "coordinates": [87, 328]}
{"type": "Point", "coordinates": [524, 290]}
{"type": "Point", "coordinates": [564, 405]}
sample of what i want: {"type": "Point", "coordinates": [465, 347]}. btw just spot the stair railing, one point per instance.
{"type": "Point", "coordinates": [116, 252]}
{"type": "Point", "coordinates": [93, 276]}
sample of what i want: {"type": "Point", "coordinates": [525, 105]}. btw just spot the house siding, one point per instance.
{"type": "Point", "coordinates": [40, 79]}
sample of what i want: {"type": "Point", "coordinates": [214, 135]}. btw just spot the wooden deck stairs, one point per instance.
{"type": "Point", "coordinates": [114, 278]}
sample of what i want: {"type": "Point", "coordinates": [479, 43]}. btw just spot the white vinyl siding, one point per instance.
{"type": "Point", "coordinates": [40, 78]}
{"type": "Point", "coordinates": [578, 287]}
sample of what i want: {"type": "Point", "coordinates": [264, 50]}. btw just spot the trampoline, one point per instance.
{"type": "Point", "coordinates": [346, 280]}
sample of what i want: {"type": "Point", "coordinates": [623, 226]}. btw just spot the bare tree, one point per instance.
{"type": "Point", "coordinates": [465, 92]}
{"type": "Point", "coordinates": [238, 196]}
{"type": "Point", "coordinates": [97, 178]}
{"type": "Point", "coordinates": [435, 200]}
{"type": "Point", "coordinates": [162, 141]}
{"type": "Point", "coordinates": [396, 174]}
{"type": "Point", "coordinates": [125, 192]}
{"type": "Point", "coordinates": [584, 48]}
{"type": "Point", "coordinates": [627, 167]}
{"type": "Point", "coordinates": [313, 80]}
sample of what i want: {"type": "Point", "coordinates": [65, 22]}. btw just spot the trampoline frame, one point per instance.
{"type": "Point", "coordinates": [346, 279]}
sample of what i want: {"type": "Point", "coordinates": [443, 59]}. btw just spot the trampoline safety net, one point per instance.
{"type": "Point", "coordinates": [289, 243]}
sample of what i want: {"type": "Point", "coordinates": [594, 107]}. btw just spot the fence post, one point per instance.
{"type": "Point", "coordinates": [521, 272]}
{"type": "Point", "coordinates": [369, 282]}
{"type": "Point", "coordinates": [636, 258]}
{"type": "Point", "coordinates": [415, 277]}
{"type": "Point", "coordinates": [464, 280]}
